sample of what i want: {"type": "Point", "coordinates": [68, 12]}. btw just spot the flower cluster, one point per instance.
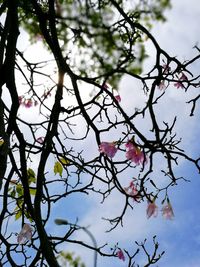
{"type": "Point", "coordinates": [25, 234]}
{"type": "Point", "coordinates": [133, 152]}
{"type": "Point", "coordinates": [108, 149]}
{"type": "Point", "coordinates": [167, 210]}
{"type": "Point", "coordinates": [179, 84]}
{"type": "Point", "coordinates": [27, 102]}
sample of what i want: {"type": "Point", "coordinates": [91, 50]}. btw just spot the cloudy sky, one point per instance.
{"type": "Point", "coordinates": [180, 238]}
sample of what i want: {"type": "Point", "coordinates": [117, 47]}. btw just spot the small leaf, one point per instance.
{"type": "Point", "coordinates": [31, 176]}
{"type": "Point", "coordinates": [64, 161]}
{"type": "Point", "coordinates": [32, 191]}
{"type": "Point", "coordinates": [1, 141]}
{"type": "Point", "coordinates": [18, 214]}
{"type": "Point", "coordinates": [19, 190]}
{"type": "Point", "coordinates": [58, 168]}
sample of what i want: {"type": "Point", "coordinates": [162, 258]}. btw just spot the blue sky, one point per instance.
{"type": "Point", "coordinates": [181, 236]}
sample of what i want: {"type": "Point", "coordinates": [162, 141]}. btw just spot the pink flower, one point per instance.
{"type": "Point", "coordinates": [40, 140]}
{"type": "Point", "coordinates": [25, 234]}
{"type": "Point", "coordinates": [183, 77]}
{"type": "Point", "coordinates": [166, 68]}
{"type": "Point", "coordinates": [132, 191]}
{"type": "Point", "coordinates": [28, 103]}
{"type": "Point", "coordinates": [118, 98]}
{"type": "Point", "coordinates": [134, 154]}
{"type": "Point", "coordinates": [179, 85]}
{"type": "Point", "coordinates": [120, 255]}
{"type": "Point", "coordinates": [167, 211]}
{"type": "Point", "coordinates": [152, 210]}
{"type": "Point", "coordinates": [108, 149]}
{"type": "Point", "coordinates": [162, 85]}
{"type": "Point", "coordinates": [20, 98]}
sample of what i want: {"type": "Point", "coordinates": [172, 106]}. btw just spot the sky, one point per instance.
{"type": "Point", "coordinates": [180, 238]}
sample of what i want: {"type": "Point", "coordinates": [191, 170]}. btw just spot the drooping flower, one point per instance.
{"type": "Point", "coordinates": [108, 148]}
{"type": "Point", "coordinates": [134, 153]}
{"type": "Point", "coordinates": [25, 234]}
{"type": "Point", "coordinates": [167, 211]}
{"type": "Point", "coordinates": [162, 86]}
{"type": "Point", "coordinates": [152, 209]}
{"type": "Point", "coordinates": [120, 255]}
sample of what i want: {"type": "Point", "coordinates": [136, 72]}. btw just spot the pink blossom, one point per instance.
{"type": "Point", "coordinates": [25, 234]}
{"type": "Point", "coordinates": [162, 85]}
{"type": "Point", "coordinates": [108, 148]}
{"type": "Point", "coordinates": [152, 210]}
{"type": "Point", "coordinates": [28, 103]}
{"type": "Point", "coordinates": [120, 255]}
{"type": "Point", "coordinates": [179, 85]}
{"type": "Point", "coordinates": [166, 68]}
{"type": "Point", "coordinates": [132, 191]}
{"type": "Point", "coordinates": [40, 140]}
{"type": "Point", "coordinates": [167, 211]}
{"type": "Point", "coordinates": [20, 98]}
{"type": "Point", "coordinates": [183, 77]}
{"type": "Point", "coordinates": [118, 98]}
{"type": "Point", "coordinates": [134, 154]}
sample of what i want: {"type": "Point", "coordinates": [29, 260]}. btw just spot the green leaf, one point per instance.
{"type": "Point", "coordinates": [58, 168]}
{"type": "Point", "coordinates": [31, 176]}
{"type": "Point", "coordinates": [64, 161]}
{"type": "Point", "coordinates": [1, 141]}
{"type": "Point", "coordinates": [28, 216]}
{"type": "Point", "coordinates": [19, 190]}
{"type": "Point", "coordinates": [32, 191]}
{"type": "Point", "coordinates": [18, 214]}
